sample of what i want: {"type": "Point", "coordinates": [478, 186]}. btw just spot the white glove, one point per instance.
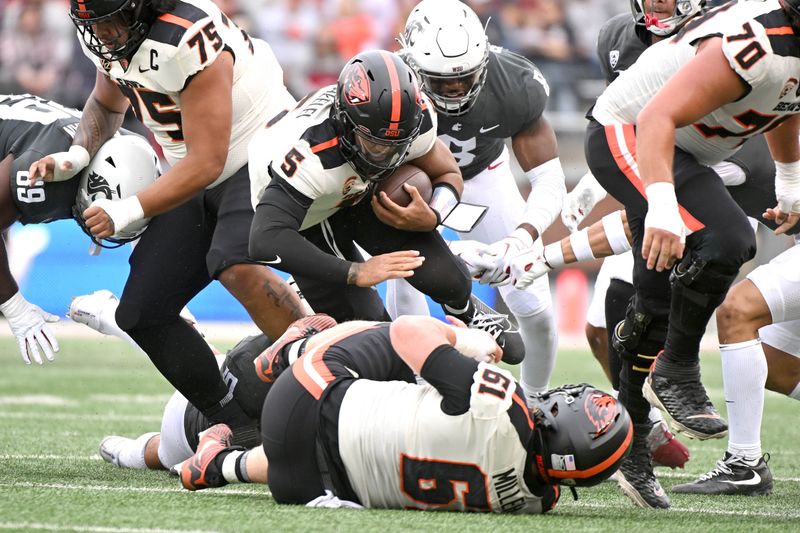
{"type": "Point", "coordinates": [476, 344]}
{"type": "Point", "coordinates": [121, 212]}
{"type": "Point", "coordinates": [580, 201]}
{"type": "Point", "coordinates": [77, 157]}
{"type": "Point", "coordinates": [527, 267]}
{"type": "Point", "coordinates": [474, 254]}
{"type": "Point", "coordinates": [330, 501]}
{"type": "Point", "coordinates": [502, 251]}
{"type": "Point", "coordinates": [28, 323]}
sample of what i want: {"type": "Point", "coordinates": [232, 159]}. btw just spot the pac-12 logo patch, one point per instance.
{"type": "Point", "coordinates": [356, 85]}
{"type": "Point", "coordinates": [613, 58]}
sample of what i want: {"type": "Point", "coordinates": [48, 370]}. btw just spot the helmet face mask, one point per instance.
{"type": "Point", "coordinates": [446, 45]}
{"type": "Point", "coordinates": [665, 26]}
{"type": "Point", "coordinates": [111, 29]}
{"type": "Point", "coordinates": [122, 167]}
{"type": "Point", "coordinates": [378, 113]}
{"type": "Point", "coordinates": [581, 435]}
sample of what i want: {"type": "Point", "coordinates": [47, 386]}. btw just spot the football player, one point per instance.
{"type": "Point", "coordinates": [203, 87]}
{"type": "Point", "coordinates": [348, 425]}
{"type": "Point", "coordinates": [483, 96]}
{"type": "Point", "coordinates": [313, 173]}
{"type": "Point", "coordinates": [744, 53]}
{"type": "Point", "coordinates": [29, 127]}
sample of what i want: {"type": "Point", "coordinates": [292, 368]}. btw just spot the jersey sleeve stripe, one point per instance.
{"type": "Point", "coordinates": [330, 143]}
{"type": "Point", "coordinates": [622, 142]}
{"type": "Point", "coordinates": [394, 79]}
{"type": "Point", "coordinates": [589, 472]}
{"type": "Point", "coordinates": [780, 33]}
{"type": "Point", "coordinates": [178, 21]}
{"type": "Point", "coordinates": [189, 12]}
{"type": "Point", "coordinates": [785, 30]}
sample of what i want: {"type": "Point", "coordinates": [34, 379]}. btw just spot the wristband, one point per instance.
{"type": "Point", "coordinates": [553, 255]}
{"type": "Point", "coordinates": [788, 173]}
{"type": "Point", "coordinates": [14, 306]}
{"type": "Point", "coordinates": [581, 246]}
{"type": "Point", "coordinates": [615, 233]}
{"type": "Point", "coordinates": [77, 155]}
{"type": "Point", "coordinates": [443, 201]}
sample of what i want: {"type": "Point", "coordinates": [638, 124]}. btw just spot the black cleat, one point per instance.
{"type": "Point", "coordinates": [499, 326]}
{"type": "Point", "coordinates": [686, 406]}
{"type": "Point", "coordinates": [635, 475]}
{"type": "Point", "coordinates": [732, 475]}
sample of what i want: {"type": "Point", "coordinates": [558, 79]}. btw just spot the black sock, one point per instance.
{"type": "Point", "coordinates": [630, 393]}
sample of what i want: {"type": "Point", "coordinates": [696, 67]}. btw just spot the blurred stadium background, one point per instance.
{"type": "Point", "coordinates": [39, 54]}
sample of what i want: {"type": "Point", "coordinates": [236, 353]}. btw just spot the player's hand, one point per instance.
{"type": "Point", "coordinates": [502, 252]}
{"type": "Point", "coordinates": [661, 248]}
{"type": "Point", "coordinates": [416, 216]}
{"type": "Point", "coordinates": [580, 201]}
{"type": "Point", "coordinates": [474, 254]}
{"type": "Point", "coordinates": [664, 230]}
{"type": "Point", "coordinates": [475, 343]}
{"type": "Point", "coordinates": [527, 267]}
{"type": "Point", "coordinates": [784, 220]}
{"type": "Point", "coordinates": [383, 267]}
{"type": "Point", "coordinates": [59, 166]}
{"type": "Point", "coordinates": [105, 217]}
{"type": "Point", "coordinates": [28, 323]}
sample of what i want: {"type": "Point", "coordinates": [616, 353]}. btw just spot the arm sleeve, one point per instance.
{"type": "Point", "coordinates": [452, 375]}
{"type": "Point", "coordinates": [275, 235]}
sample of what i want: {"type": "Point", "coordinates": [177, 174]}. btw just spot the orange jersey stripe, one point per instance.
{"type": "Point", "coordinates": [172, 19]}
{"type": "Point", "coordinates": [394, 79]}
{"type": "Point", "coordinates": [589, 472]}
{"type": "Point", "coordinates": [325, 145]}
{"type": "Point", "coordinates": [519, 401]}
{"type": "Point", "coordinates": [624, 164]}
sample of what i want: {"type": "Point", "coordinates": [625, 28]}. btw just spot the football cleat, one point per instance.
{"type": "Point", "coordinates": [200, 471]}
{"type": "Point", "coordinates": [732, 475]}
{"type": "Point", "coordinates": [685, 406]}
{"type": "Point", "coordinates": [635, 475]}
{"type": "Point", "coordinates": [111, 447]}
{"type": "Point", "coordinates": [665, 448]}
{"type": "Point", "coordinates": [504, 331]}
{"type": "Point", "coordinates": [269, 365]}
{"type": "Point", "coordinates": [92, 310]}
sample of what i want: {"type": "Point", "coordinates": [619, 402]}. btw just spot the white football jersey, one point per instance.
{"type": "Point", "coordinates": [180, 44]}
{"type": "Point", "coordinates": [303, 148]}
{"type": "Point", "coordinates": [400, 450]}
{"type": "Point", "coordinates": [761, 48]}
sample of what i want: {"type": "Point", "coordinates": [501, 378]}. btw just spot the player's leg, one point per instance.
{"type": "Point", "coordinates": [781, 343]}
{"type": "Point", "coordinates": [268, 299]}
{"type": "Point", "coordinates": [168, 268]}
{"type": "Point", "coordinates": [596, 331]}
{"type": "Point", "coordinates": [532, 308]}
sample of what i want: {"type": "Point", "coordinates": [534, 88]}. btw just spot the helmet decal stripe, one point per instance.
{"type": "Point", "coordinates": [589, 472]}
{"type": "Point", "coordinates": [394, 79]}
{"type": "Point", "coordinates": [178, 21]}
{"type": "Point", "coordinates": [81, 6]}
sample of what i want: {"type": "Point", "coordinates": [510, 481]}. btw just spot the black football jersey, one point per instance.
{"type": "Point", "coordinates": [31, 128]}
{"type": "Point", "coordinates": [619, 44]}
{"type": "Point", "coordinates": [514, 96]}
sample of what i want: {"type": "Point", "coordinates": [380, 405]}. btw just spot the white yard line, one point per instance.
{"type": "Point", "coordinates": [698, 510]}
{"type": "Point", "coordinates": [156, 419]}
{"type": "Point", "coordinates": [96, 529]}
{"type": "Point", "coordinates": [257, 490]}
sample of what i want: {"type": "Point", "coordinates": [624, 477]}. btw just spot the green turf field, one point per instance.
{"type": "Point", "coordinates": [52, 479]}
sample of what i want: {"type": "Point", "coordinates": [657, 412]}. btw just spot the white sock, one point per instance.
{"type": "Point", "coordinates": [744, 374]}
{"type": "Point", "coordinates": [108, 323]}
{"type": "Point", "coordinates": [539, 336]}
{"type": "Point", "coordinates": [403, 299]}
{"type": "Point", "coordinates": [230, 472]}
{"type": "Point", "coordinates": [795, 393]}
{"type": "Point", "coordinates": [655, 416]}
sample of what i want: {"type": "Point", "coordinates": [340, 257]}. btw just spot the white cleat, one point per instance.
{"type": "Point", "coordinates": [111, 448]}
{"type": "Point", "coordinates": [93, 310]}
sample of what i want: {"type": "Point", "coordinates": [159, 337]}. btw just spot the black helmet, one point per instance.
{"type": "Point", "coordinates": [112, 29]}
{"type": "Point", "coordinates": [378, 111]}
{"type": "Point", "coordinates": [581, 435]}
{"type": "Point", "coordinates": [792, 9]}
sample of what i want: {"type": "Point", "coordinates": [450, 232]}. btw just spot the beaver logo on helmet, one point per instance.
{"type": "Point", "coordinates": [356, 85]}
{"type": "Point", "coordinates": [601, 410]}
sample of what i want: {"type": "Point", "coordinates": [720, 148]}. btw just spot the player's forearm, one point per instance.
{"type": "Point", "coordinates": [188, 177]}
{"type": "Point", "coordinates": [655, 145]}
{"type": "Point", "coordinates": [609, 236]}
{"type": "Point", "coordinates": [98, 124]}
{"type": "Point", "coordinates": [8, 285]}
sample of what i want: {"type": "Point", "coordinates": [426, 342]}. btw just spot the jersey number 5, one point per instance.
{"type": "Point", "coordinates": [444, 484]}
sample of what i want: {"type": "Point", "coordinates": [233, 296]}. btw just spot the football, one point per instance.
{"type": "Point", "coordinates": [393, 185]}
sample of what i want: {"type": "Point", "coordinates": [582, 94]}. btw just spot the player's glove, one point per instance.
{"type": "Point", "coordinates": [474, 254]}
{"type": "Point", "coordinates": [527, 267]}
{"type": "Point", "coordinates": [28, 323]}
{"type": "Point", "coordinates": [502, 252]}
{"type": "Point", "coordinates": [580, 201]}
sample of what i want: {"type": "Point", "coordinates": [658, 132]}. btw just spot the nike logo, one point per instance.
{"type": "Point", "coordinates": [492, 167]}
{"type": "Point", "coordinates": [755, 480]}
{"type": "Point", "coordinates": [275, 261]}
{"type": "Point", "coordinates": [484, 130]}
{"type": "Point", "coordinates": [142, 70]}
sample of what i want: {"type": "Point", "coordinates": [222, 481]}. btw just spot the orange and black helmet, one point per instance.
{"type": "Point", "coordinates": [378, 112]}
{"type": "Point", "coordinates": [112, 29]}
{"type": "Point", "coordinates": [581, 435]}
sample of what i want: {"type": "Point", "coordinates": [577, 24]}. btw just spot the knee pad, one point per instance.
{"type": "Point", "coordinates": [526, 303]}
{"type": "Point", "coordinates": [701, 280]}
{"type": "Point", "coordinates": [639, 337]}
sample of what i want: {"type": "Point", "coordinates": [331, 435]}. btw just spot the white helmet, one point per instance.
{"type": "Point", "coordinates": [446, 45]}
{"type": "Point", "coordinates": [122, 167]}
{"type": "Point", "coordinates": [684, 9]}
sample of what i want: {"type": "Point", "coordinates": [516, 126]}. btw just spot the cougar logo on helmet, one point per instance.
{"type": "Point", "coordinates": [356, 86]}
{"type": "Point", "coordinates": [601, 409]}
{"type": "Point", "coordinates": [98, 185]}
